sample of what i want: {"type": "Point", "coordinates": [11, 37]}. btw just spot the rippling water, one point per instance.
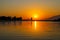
{"type": "Point", "coordinates": [27, 30]}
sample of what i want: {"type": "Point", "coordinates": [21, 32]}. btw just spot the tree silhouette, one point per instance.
{"type": "Point", "coordinates": [31, 18]}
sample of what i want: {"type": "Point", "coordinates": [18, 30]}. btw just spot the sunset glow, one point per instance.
{"type": "Point", "coordinates": [30, 8]}
{"type": "Point", "coordinates": [35, 16]}
{"type": "Point", "coordinates": [30, 19]}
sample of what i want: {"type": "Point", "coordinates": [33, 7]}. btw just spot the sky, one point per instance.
{"type": "Point", "coordinates": [39, 9]}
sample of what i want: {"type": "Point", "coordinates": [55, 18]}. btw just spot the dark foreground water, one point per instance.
{"type": "Point", "coordinates": [28, 30]}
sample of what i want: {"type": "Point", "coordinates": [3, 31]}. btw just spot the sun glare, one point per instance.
{"type": "Point", "coordinates": [35, 16]}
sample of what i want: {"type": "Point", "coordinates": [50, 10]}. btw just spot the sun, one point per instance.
{"type": "Point", "coordinates": [35, 16]}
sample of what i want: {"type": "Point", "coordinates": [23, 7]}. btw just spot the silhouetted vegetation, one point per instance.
{"type": "Point", "coordinates": [31, 18]}
{"type": "Point", "coordinates": [3, 18]}
{"type": "Point", "coordinates": [16, 19]}
{"type": "Point", "coordinates": [9, 18]}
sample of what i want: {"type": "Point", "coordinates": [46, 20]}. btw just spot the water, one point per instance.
{"type": "Point", "coordinates": [27, 30]}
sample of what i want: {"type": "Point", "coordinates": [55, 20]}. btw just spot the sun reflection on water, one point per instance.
{"type": "Point", "coordinates": [30, 30]}
{"type": "Point", "coordinates": [35, 25]}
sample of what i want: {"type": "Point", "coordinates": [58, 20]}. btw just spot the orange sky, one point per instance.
{"type": "Point", "coordinates": [30, 8]}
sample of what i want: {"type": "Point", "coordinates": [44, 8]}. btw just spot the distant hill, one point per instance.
{"type": "Point", "coordinates": [55, 18]}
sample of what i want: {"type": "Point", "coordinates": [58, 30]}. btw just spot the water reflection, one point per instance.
{"type": "Point", "coordinates": [29, 30]}
{"type": "Point", "coordinates": [35, 25]}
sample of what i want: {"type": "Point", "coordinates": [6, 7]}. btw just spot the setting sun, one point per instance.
{"type": "Point", "coordinates": [35, 16]}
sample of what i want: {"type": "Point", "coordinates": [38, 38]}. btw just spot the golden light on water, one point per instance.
{"type": "Point", "coordinates": [35, 25]}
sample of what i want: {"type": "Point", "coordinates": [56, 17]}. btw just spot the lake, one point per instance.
{"type": "Point", "coordinates": [29, 30]}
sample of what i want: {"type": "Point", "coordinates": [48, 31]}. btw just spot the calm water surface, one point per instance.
{"type": "Point", "coordinates": [28, 30]}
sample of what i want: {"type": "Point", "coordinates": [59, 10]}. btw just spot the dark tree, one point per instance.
{"type": "Point", "coordinates": [14, 18]}
{"type": "Point", "coordinates": [20, 18]}
{"type": "Point", "coordinates": [3, 18]}
{"type": "Point", "coordinates": [9, 18]}
{"type": "Point", "coordinates": [31, 18]}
